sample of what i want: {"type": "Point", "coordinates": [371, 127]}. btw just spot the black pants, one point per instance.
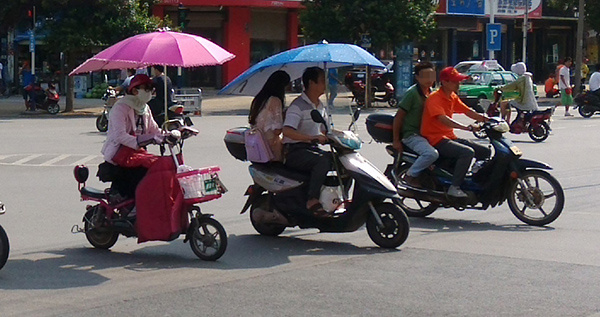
{"type": "Point", "coordinates": [124, 180]}
{"type": "Point", "coordinates": [463, 151]}
{"type": "Point", "coordinates": [309, 158]}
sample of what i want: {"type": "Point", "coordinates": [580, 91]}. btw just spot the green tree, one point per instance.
{"type": "Point", "coordinates": [388, 22]}
{"type": "Point", "coordinates": [76, 27]}
{"type": "Point", "coordinates": [592, 10]}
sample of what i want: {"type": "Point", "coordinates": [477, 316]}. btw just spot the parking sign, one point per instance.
{"type": "Point", "coordinates": [494, 36]}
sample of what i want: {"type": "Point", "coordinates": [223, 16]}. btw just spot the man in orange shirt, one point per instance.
{"type": "Point", "coordinates": [438, 128]}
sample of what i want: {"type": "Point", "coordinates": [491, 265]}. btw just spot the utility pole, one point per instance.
{"type": "Point", "coordinates": [579, 47]}
{"type": "Point", "coordinates": [492, 20]}
{"type": "Point", "coordinates": [32, 42]}
{"type": "Point", "coordinates": [525, 30]}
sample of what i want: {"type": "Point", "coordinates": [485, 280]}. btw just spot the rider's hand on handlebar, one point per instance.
{"type": "Point", "coordinates": [321, 139]}
{"type": "Point", "coordinates": [474, 127]}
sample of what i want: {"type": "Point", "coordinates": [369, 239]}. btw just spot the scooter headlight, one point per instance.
{"type": "Point", "coordinates": [501, 127]}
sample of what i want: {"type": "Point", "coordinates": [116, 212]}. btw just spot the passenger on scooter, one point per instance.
{"type": "Point", "coordinates": [301, 135]}
{"type": "Point", "coordinates": [266, 111]}
{"type": "Point", "coordinates": [438, 127]}
{"type": "Point", "coordinates": [121, 89]}
{"type": "Point", "coordinates": [407, 123]}
{"type": "Point", "coordinates": [525, 99]}
{"type": "Point", "coordinates": [130, 128]}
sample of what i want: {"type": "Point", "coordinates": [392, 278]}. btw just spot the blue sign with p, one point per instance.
{"type": "Point", "coordinates": [493, 33]}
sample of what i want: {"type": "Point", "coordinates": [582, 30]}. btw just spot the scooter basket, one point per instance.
{"type": "Point", "coordinates": [200, 185]}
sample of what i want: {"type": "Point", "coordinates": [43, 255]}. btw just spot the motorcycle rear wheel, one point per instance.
{"type": "Point", "coordinates": [4, 247]}
{"type": "Point", "coordinates": [53, 108]}
{"type": "Point", "coordinates": [539, 132]}
{"type": "Point", "coordinates": [544, 189]}
{"type": "Point", "coordinates": [270, 229]}
{"type": "Point", "coordinates": [395, 226]}
{"type": "Point", "coordinates": [100, 239]}
{"type": "Point", "coordinates": [411, 206]}
{"type": "Point", "coordinates": [585, 111]}
{"type": "Point", "coordinates": [393, 102]}
{"type": "Point", "coordinates": [102, 123]}
{"type": "Point", "coordinates": [208, 238]}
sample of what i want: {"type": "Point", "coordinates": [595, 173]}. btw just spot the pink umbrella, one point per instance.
{"type": "Point", "coordinates": [157, 48]}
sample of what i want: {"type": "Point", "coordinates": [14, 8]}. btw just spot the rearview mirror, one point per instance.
{"type": "Point", "coordinates": [318, 118]}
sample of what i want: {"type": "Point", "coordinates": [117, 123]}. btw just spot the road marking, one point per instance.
{"type": "Point", "coordinates": [27, 159]}
{"type": "Point", "coordinates": [85, 159]}
{"type": "Point", "coordinates": [54, 160]}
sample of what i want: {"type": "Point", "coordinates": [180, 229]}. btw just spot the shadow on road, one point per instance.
{"type": "Point", "coordinates": [456, 225]}
{"type": "Point", "coordinates": [81, 267]}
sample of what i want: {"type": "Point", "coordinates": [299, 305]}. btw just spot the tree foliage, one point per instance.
{"type": "Point", "coordinates": [388, 22]}
{"type": "Point", "coordinates": [592, 10]}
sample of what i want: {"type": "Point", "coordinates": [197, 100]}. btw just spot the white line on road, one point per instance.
{"type": "Point", "coordinates": [54, 160]}
{"type": "Point", "coordinates": [85, 159]}
{"type": "Point", "coordinates": [27, 159]}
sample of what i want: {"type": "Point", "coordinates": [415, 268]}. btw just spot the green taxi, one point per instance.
{"type": "Point", "coordinates": [481, 85]}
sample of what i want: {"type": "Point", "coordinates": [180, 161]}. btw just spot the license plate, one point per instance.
{"type": "Point", "coordinates": [516, 151]}
{"type": "Point", "coordinates": [210, 185]}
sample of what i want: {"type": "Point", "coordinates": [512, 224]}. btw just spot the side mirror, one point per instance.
{"type": "Point", "coordinates": [357, 113]}
{"type": "Point", "coordinates": [318, 118]}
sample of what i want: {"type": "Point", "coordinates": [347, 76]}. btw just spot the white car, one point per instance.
{"type": "Point", "coordinates": [466, 66]}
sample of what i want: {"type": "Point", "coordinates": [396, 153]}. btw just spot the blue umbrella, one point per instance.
{"type": "Point", "coordinates": [295, 61]}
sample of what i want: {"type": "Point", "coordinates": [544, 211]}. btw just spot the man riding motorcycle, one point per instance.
{"type": "Point", "coordinates": [525, 99]}
{"type": "Point", "coordinates": [437, 127]}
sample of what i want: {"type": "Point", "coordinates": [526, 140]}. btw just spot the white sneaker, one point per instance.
{"type": "Point", "coordinates": [455, 191]}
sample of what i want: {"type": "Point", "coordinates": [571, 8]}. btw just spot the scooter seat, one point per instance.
{"type": "Point", "coordinates": [280, 169]}
{"type": "Point", "coordinates": [92, 192]}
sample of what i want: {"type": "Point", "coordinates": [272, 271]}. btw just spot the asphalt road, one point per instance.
{"type": "Point", "coordinates": [472, 263]}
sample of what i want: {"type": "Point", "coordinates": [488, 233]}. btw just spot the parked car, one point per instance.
{"type": "Point", "coordinates": [466, 66]}
{"type": "Point", "coordinates": [481, 85]}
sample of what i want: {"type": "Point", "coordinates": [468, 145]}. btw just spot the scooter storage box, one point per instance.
{"type": "Point", "coordinates": [380, 127]}
{"type": "Point", "coordinates": [234, 141]}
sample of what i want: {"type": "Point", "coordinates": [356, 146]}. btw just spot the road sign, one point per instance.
{"type": "Point", "coordinates": [31, 41]}
{"type": "Point", "coordinates": [466, 7]}
{"type": "Point", "coordinates": [494, 36]}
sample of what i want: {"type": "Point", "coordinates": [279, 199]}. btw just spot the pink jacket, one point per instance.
{"type": "Point", "coordinates": [121, 127]}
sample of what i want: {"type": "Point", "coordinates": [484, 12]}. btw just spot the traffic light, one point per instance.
{"type": "Point", "coordinates": [183, 13]}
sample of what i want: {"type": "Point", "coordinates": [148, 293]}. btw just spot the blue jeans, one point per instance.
{"type": "Point", "coordinates": [427, 154]}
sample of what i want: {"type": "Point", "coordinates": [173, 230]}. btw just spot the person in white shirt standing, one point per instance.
{"type": "Point", "coordinates": [564, 85]}
{"type": "Point", "coordinates": [595, 81]}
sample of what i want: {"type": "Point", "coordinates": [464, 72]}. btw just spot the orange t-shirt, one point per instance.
{"type": "Point", "coordinates": [549, 85]}
{"type": "Point", "coordinates": [438, 104]}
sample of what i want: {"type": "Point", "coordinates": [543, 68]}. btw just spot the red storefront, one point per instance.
{"type": "Point", "coordinates": [250, 29]}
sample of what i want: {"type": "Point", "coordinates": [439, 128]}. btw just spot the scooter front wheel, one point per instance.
{"type": "Point", "coordinates": [395, 227]}
{"type": "Point", "coordinates": [208, 238]}
{"type": "Point", "coordinates": [102, 123]}
{"type": "Point", "coordinates": [536, 198]}
{"type": "Point", "coordinates": [4, 247]}
{"type": "Point", "coordinates": [53, 108]}
{"type": "Point", "coordinates": [585, 111]}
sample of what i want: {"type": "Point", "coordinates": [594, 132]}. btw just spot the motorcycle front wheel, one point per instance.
{"type": "Point", "coordinates": [4, 247]}
{"type": "Point", "coordinates": [53, 108]}
{"type": "Point", "coordinates": [537, 199]}
{"type": "Point", "coordinates": [102, 122]}
{"type": "Point", "coordinates": [208, 238]}
{"type": "Point", "coordinates": [585, 111]}
{"type": "Point", "coordinates": [395, 227]}
{"type": "Point", "coordinates": [539, 132]}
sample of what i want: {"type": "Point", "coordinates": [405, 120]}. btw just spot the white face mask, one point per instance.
{"type": "Point", "coordinates": [144, 96]}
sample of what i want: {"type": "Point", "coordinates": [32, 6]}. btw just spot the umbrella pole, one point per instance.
{"type": "Point", "coordinates": [165, 86]}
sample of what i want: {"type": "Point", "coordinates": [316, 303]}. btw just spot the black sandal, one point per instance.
{"type": "Point", "coordinates": [319, 212]}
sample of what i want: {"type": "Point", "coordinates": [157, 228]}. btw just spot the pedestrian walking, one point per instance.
{"type": "Point", "coordinates": [564, 85]}
{"type": "Point", "coordinates": [27, 81]}
{"type": "Point", "coordinates": [334, 81]}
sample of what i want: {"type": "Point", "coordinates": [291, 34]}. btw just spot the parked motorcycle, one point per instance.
{"type": "Point", "coordinates": [536, 123]}
{"type": "Point", "coordinates": [387, 95]}
{"type": "Point", "coordinates": [277, 199]}
{"type": "Point", "coordinates": [4, 245]}
{"type": "Point", "coordinates": [103, 222]}
{"type": "Point", "coordinates": [587, 103]}
{"type": "Point", "coordinates": [45, 99]}
{"type": "Point", "coordinates": [534, 196]}
{"type": "Point", "coordinates": [109, 97]}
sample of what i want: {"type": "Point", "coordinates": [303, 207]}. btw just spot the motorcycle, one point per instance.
{"type": "Point", "coordinates": [587, 103]}
{"type": "Point", "coordinates": [44, 99]}
{"type": "Point", "coordinates": [278, 196]}
{"type": "Point", "coordinates": [535, 123]}
{"type": "Point", "coordinates": [534, 196]}
{"type": "Point", "coordinates": [4, 245]}
{"type": "Point", "coordinates": [109, 98]}
{"type": "Point", "coordinates": [104, 221]}
{"type": "Point", "coordinates": [358, 93]}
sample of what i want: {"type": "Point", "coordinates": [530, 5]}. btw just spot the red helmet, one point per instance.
{"type": "Point", "coordinates": [137, 80]}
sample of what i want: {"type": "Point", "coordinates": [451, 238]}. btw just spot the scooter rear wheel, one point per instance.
{"type": "Point", "coordinates": [395, 227]}
{"type": "Point", "coordinates": [539, 132]}
{"type": "Point", "coordinates": [102, 123]}
{"type": "Point", "coordinates": [100, 238]}
{"type": "Point", "coordinates": [411, 206]}
{"type": "Point", "coordinates": [53, 108]}
{"type": "Point", "coordinates": [265, 229]}
{"type": "Point", "coordinates": [208, 238]}
{"type": "Point", "coordinates": [4, 247]}
{"type": "Point", "coordinates": [585, 111]}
